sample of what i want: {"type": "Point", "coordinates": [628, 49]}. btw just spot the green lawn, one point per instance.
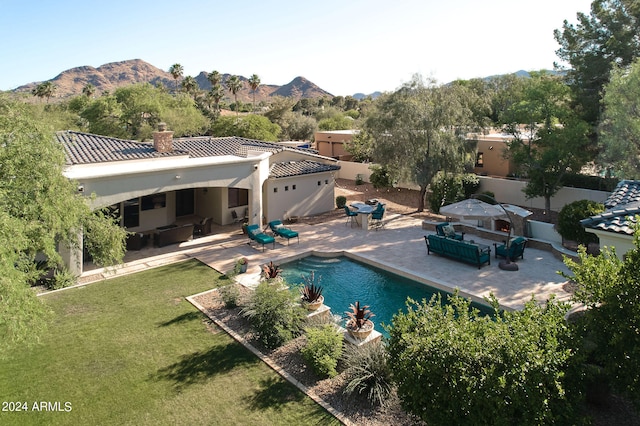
{"type": "Point", "coordinates": [131, 350]}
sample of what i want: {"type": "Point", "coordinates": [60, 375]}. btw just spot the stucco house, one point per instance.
{"type": "Point", "coordinates": [614, 227]}
{"type": "Point", "coordinates": [176, 181]}
{"type": "Point", "coordinates": [490, 154]}
{"type": "Point", "coordinates": [332, 143]}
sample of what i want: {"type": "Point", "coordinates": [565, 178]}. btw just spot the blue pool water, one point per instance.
{"type": "Point", "coordinates": [346, 281]}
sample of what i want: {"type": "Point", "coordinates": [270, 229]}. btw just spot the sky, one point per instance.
{"type": "Point", "coordinates": [343, 46]}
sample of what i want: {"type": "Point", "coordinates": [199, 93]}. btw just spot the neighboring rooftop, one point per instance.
{"type": "Point", "coordinates": [622, 206]}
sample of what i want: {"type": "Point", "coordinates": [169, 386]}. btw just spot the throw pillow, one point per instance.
{"type": "Point", "coordinates": [449, 231]}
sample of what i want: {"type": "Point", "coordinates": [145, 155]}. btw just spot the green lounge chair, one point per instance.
{"type": "Point", "coordinates": [260, 237]}
{"type": "Point", "coordinates": [515, 250]}
{"type": "Point", "coordinates": [280, 230]}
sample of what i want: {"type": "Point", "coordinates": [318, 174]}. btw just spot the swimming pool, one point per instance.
{"type": "Point", "coordinates": [346, 281]}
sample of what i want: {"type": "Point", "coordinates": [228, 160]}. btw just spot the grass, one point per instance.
{"type": "Point", "coordinates": [131, 350]}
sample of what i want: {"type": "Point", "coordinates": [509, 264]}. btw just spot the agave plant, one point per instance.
{"type": "Point", "coordinates": [358, 315]}
{"type": "Point", "coordinates": [311, 291]}
{"type": "Point", "coordinates": [271, 271]}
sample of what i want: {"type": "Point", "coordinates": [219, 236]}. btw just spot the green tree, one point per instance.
{"type": "Point", "coordinates": [337, 122]}
{"type": "Point", "coordinates": [190, 86]}
{"type": "Point", "coordinates": [454, 366]}
{"type": "Point", "coordinates": [216, 93]}
{"type": "Point", "coordinates": [361, 147]}
{"type": "Point", "coordinates": [234, 85]}
{"type": "Point", "coordinates": [250, 126]}
{"type": "Point", "coordinates": [44, 90]}
{"type": "Point", "coordinates": [214, 78]}
{"type": "Point", "coordinates": [254, 83]}
{"type": "Point", "coordinates": [296, 126]}
{"type": "Point", "coordinates": [619, 131]}
{"type": "Point", "coordinates": [89, 90]}
{"type": "Point", "coordinates": [610, 289]}
{"type": "Point", "coordinates": [40, 210]}
{"type": "Point", "coordinates": [419, 130]}
{"type": "Point", "coordinates": [549, 141]}
{"type": "Point", "coordinates": [609, 35]}
{"type": "Point", "coordinates": [176, 71]}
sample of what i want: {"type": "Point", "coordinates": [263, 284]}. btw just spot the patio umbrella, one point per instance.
{"type": "Point", "coordinates": [473, 209]}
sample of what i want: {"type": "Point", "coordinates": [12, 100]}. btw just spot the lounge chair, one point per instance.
{"type": "Point", "coordinates": [280, 230]}
{"type": "Point", "coordinates": [445, 229]}
{"type": "Point", "coordinates": [260, 237]}
{"type": "Point", "coordinates": [235, 217]}
{"type": "Point", "coordinates": [351, 216]}
{"type": "Point", "coordinates": [515, 250]}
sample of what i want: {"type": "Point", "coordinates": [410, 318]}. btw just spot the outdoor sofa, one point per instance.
{"type": "Point", "coordinates": [446, 229]}
{"type": "Point", "coordinates": [464, 251]}
{"type": "Point", "coordinates": [172, 234]}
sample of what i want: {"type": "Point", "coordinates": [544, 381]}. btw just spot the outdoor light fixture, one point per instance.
{"type": "Point", "coordinates": [178, 176]}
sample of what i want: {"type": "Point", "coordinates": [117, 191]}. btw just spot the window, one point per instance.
{"type": "Point", "coordinates": [326, 181]}
{"type": "Point", "coordinates": [239, 197]}
{"type": "Point", "coordinates": [293, 187]}
{"type": "Point", "coordinates": [479, 160]}
{"type": "Point", "coordinates": [155, 201]}
{"type": "Point", "coordinates": [132, 213]}
{"type": "Point", "coordinates": [275, 190]}
{"type": "Point", "coordinates": [286, 188]}
{"type": "Point", "coordinates": [319, 183]}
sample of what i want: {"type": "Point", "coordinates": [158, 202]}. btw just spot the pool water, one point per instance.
{"type": "Point", "coordinates": [346, 281]}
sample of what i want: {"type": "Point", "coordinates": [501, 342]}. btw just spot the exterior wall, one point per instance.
{"type": "Point", "coordinates": [622, 243]}
{"type": "Point", "coordinates": [331, 143]}
{"type": "Point", "coordinates": [493, 161]}
{"type": "Point", "coordinates": [308, 198]}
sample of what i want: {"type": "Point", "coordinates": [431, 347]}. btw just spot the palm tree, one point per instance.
{"type": "Point", "coordinates": [214, 78]}
{"type": "Point", "coordinates": [44, 90]}
{"type": "Point", "coordinates": [176, 71]}
{"type": "Point", "coordinates": [190, 85]}
{"type": "Point", "coordinates": [216, 93]}
{"type": "Point", "coordinates": [88, 90]}
{"type": "Point", "coordinates": [234, 84]}
{"type": "Point", "coordinates": [254, 82]}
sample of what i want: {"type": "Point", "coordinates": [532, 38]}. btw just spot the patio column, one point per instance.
{"type": "Point", "coordinates": [72, 255]}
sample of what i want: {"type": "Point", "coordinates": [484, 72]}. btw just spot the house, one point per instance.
{"type": "Point", "coordinates": [332, 143]}
{"type": "Point", "coordinates": [183, 180]}
{"type": "Point", "coordinates": [490, 154]}
{"type": "Point", "coordinates": [614, 227]}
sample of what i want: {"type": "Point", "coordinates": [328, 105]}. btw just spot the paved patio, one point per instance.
{"type": "Point", "coordinates": [399, 247]}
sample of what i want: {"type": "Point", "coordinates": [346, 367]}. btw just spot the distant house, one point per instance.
{"type": "Point", "coordinates": [614, 227]}
{"type": "Point", "coordinates": [332, 143]}
{"type": "Point", "coordinates": [490, 155]}
{"type": "Point", "coordinates": [169, 181]}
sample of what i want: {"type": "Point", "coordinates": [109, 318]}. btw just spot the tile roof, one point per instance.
{"type": "Point", "coordinates": [297, 168]}
{"type": "Point", "coordinates": [622, 206]}
{"type": "Point", "coordinates": [86, 148]}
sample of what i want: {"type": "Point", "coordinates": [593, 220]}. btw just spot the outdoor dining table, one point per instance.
{"type": "Point", "coordinates": [363, 210]}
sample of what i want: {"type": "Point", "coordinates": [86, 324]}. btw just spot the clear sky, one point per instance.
{"type": "Point", "coordinates": [343, 46]}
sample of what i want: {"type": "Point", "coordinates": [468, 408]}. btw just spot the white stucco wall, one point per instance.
{"type": "Point", "coordinates": [308, 197]}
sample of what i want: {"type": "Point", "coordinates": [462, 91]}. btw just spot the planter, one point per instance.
{"type": "Point", "coordinates": [243, 268]}
{"type": "Point", "coordinates": [312, 306]}
{"type": "Point", "coordinates": [360, 333]}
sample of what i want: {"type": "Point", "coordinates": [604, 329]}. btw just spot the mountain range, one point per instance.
{"type": "Point", "coordinates": [109, 77]}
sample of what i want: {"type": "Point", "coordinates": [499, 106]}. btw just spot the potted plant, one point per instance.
{"type": "Point", "coordinates": [270, 271]}
{"type": "Point", "coordinates": [311, 293]}
{"type": "Point", "coordinates": [359, 324]}
{"type": "Point", "coordinates": [241, 265]}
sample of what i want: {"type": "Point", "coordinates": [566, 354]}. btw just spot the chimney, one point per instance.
{"type": "Point", "coordinates": [163, 139]}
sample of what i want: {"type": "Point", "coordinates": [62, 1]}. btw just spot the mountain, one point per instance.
{"type": "Point", "coordinates": [109, 77]}
{"type": "Point", "coordinates": [361, 96]}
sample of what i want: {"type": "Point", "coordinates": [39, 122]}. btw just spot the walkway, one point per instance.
{"type": "Point", "coordinates": [400, 247]}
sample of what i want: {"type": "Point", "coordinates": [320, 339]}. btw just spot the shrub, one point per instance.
{"type": "Point", "coordinates": [597, 183]}
{"type": "Point", "coordinates": [569, 221]}
{"type": "Point", "coordinates": [445, 189]}
{"type": "Point", "coordinates": [379, 177]}
{"type": "Point", "coordinates": [341, 201]}
{"type": "Point", "coordinates": [62, 278]}
{"type": "Point", "coordinates": [367, 373]}
{"type": "Point", "coordinates": [323, 349]}
{"type": "Point", "coordinates": [274, 316]}
{"type": "Point", "coordinates": [359, 180]}
{"type": "Point", "coordinates": [470, 184]}
{"type": "Point", "coordinates": [230, 295]}
{"type": "Point", "coordinates": [505, 369]}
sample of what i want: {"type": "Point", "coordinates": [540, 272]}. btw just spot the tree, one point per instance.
{"type": "Point", "coordinates": [190, 86]}
{"type": "Point", "coordinates": [89, 90]}
{"type": "Point", "coordinates": [549, 141]}
{"type": "Point", "coordinates": [297, 127]}
{"type": "Point", "coordinates": [214, 78]}
{"type": "Point", "coordinates": [361, 147]}
{"type": "Point", "coordinates": [254, 83]}
{"type": "Point", "coordinates": [44, 90]}
{"type": "Point", "coordinates": [249, 126]}
{"type": "Point", "coordinates": [608, 36]}
{"type": "Point", "coordinates": [176, 71]}
{"type": "Point", "coordinates": [337, 122]}
{"type": "Point", "coordinates": [216, 93]}
{"type": "Point", "coordinates": [234, 84]}
{"type": "Point", "coordinates": [419, 130]}
{"type": "Point", "coordinates": [453, 365]}
{"type": "Point", "coordinates": [610, 289]}
{"type": "Point", "coordinates": [619, 131]}
{"type": "Point", "coordinates": [40, 210]}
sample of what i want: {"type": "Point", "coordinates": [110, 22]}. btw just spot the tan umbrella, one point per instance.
{"type": "Point", "coordinates": [473, 209]}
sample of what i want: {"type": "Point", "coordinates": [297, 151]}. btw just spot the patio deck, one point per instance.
{"type": "Point", "coordinates": [400, 247]}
